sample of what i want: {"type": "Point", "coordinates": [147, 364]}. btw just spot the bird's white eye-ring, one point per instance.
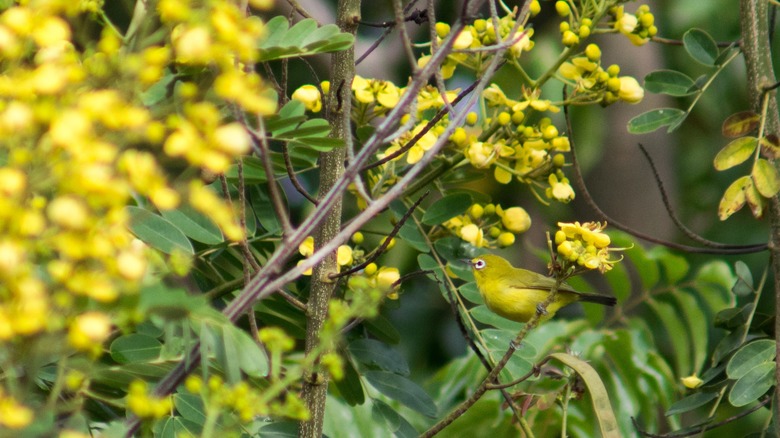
{"type": "Point", "coordinates": [479, 264]}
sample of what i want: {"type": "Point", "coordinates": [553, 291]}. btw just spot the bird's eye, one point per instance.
{"type": "Point", "coordinates": [479, 264]}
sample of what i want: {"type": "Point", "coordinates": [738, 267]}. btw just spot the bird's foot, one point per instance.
{"type": "Point", "coordinates": [541, 310]}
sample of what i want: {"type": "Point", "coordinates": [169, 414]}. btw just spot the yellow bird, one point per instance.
{"type": "Point", "coordinates": [516, 293]}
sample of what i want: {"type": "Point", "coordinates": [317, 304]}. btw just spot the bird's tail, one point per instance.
{"type": "Point", "coordinates": [598, 299]}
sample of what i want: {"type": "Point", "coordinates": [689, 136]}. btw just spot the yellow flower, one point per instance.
{"type": "Point", "coordinates": [14, 415]}
{"type": "Point", "coordinates": [68, 212]}
{"type": "Point", "coordinates": [386, 278]}
{"type": "Point", "coordinates": [516, 220]}
{"type": "Point", "coordinates": [193, 46]}
{"type": "Point", "coordinates": [473, 234]}
{"type": "Point", "coordinates": [630, 90]}
{"type": "Point", "coordinates": [344, 255]}
{"type": "Point", "coordinates": [306, 248]}
{"type": "Point", "coordinates": [626, 23]}
{"type": "Point", "coordinates": [310, 96]}
{"type": "Point", "coordinates": [12, 182]}
{"type": "Point", "coordinates": [692, 382]}
{"type": "Point", "coordinates": [232, 139]}
{"type": "Point", "coordinates": [89, 330]}
{"type": "Point", "coordinates": [463, 40]}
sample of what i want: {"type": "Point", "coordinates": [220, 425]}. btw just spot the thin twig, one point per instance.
{"type": "Point", "coordinates": [384, 35]}
{"type": "Point", "coordinates": [668, 205]}
{"type": "Point", "coordinates": [381, 249]}
{"type": "Point", "coordinates": [260, 143]}
{"type": "Point", "coordinates": [703, 427]}
{"type": "Point", "coordinates": [583, 191]}
{"type": "Point", "coordinates": [673, 42]}
{"type": "Point", "coordinates": [300, 10]}
{"type": "Point", "coordinates": [404, 34]}
{"type": "Point", "coordinates": [250, 265]}
{"type": "Point", "coordinates": [293, 178]}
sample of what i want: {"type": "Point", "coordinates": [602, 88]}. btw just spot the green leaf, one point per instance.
{"type": "Point", "coordinates": [309, 128]}
{"type": "Point", "coordinates": [174, 427]}
{"type": "Point", "coordinates": [765, 178]}
{"type": "Point", "coordinates": [736, 152]}
{"type": "Point", "coordinates": [700, 45]}
{"type": "Point", "coordinates": [303, 39]}
{"type": "Point", "coordinates": [194, 224]}
{"type": "Point", "coordinates": [486, 316]}
{"type": "Point", "coordinates": [675, 266]}
{"type": "Point", "coordinates": [671, 82]}
{"type": "Point", "coordinates": [654, 119]}
{"type": "Point", "coordinates": [739, 124]}
{"type": "Point", "coordinates": [190, 406]}
{"type": "Point", "coordinates": [403, 390]}
{"type": "Point", "coordinates": [744, 284]}
{"type": "Point", "coordinates": [380, 355]}
{"type": "Point", "coordinates": [410, 234]}
{"type": "Point", "coordinates": [750, 356]}
{"type": "Point", "coordinates": [159, 90]}
{"type": "Point", "coordinates": [753, 384]}
{"type": "Point", "coordinates": [470, 292]}
{"type": "Point", "coordinates": [675, 330]}
{"type": "Point", "coordinates": [397, 424]}
{"type": "Point", "coordinates": [598, 393]}
{"type": "Point", "coordinates": [691, 402]}
{"type": "Point", "coordinates": [242, 351]}
{"type": "Point", "coordinates": [447, 208]}
{"type": "Point", "coordinates": [350, 387]}
{"type": "Point", "coordinates": [734, 198]}
{"type": "Point", "coordinates": [280, 429]}
{"type": "Point", "coordinates": [383, 329]}
{"type": "Point", "coordinates": [263, 208]}
{"type": "Point", "coordinates": [729, 343]}
{"type": "Point", "coordinates": [135, 348]}
{"type": "Point", "coordinates": [157, 232]}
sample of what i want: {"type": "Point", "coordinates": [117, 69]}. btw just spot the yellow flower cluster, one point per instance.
{"type": "Point", "coordinates": [585, 245]}
{"type": "Point", "coordinates": [639, 27]}
{"type": "Point", "coordinates": [373, 98]}
{"type": "Point", "coordinates": [144, 405]}
{"type": "Point", "coordinates": [246, 401]}
{"type": "Point", "coordinates": [204, 140]}
{"type": "Point", "coordinates": [490, 225]}
{"type": "Point", "coordinates": [80, 142]}
{"type": "Point", "coordinates": [479, 34]}
{"type": "Point", "coordinates": [532, 153]}
{"type": "Point", "coordinates": [594, 84]}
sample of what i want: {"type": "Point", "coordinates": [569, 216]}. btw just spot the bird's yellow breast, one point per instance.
{"type": "Point", "coordinates": [519, 304]}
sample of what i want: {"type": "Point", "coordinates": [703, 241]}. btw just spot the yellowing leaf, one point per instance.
{"type": "Point", "coordinates": [739, 124]}
{"type": "Point", "coordinates": [755, 201]}
{"type": "Point", "coordinates": [734, 197]}
{"type": "Point", "coordinates": [735, 153]}
{"type": "Point", "coordinates": [765, 178]}
{"type": "Point", "coordinates": [770, 146]}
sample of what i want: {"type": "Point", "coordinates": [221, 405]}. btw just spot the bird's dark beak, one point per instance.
{"type": "Point", "coordinates": [466, 261]}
